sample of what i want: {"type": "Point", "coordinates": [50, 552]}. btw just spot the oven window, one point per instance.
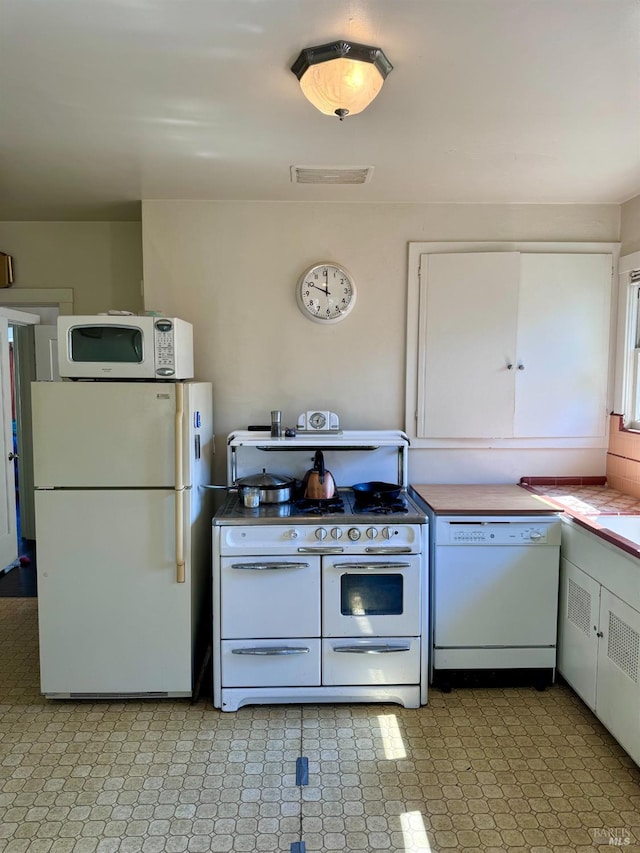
{"type": "Point", "coordinates": [106, 344]}
{"type": "Point", "coordinates": [371, 595]}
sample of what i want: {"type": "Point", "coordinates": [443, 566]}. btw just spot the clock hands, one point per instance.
{"type": "Point", "coordinates": [324, 289]}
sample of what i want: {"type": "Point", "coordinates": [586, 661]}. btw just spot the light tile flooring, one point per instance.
{"type": "Point", "coordinates": [475, 770]}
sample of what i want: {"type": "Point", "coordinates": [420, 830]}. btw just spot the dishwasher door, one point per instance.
{"type": "Point", "coordinates": [495, 588]}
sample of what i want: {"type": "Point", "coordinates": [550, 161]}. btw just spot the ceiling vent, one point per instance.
{"type": "Point", "coordinates": [331, 174]}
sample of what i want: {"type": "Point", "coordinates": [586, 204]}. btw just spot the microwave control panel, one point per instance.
{"type": "Point", "coordinates": [165, 348]}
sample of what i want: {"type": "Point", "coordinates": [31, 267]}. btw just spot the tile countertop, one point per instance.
{"type": "Point", "coordinates": [583, 501]}
{"type": "Point", "coordinates": [508, 499]}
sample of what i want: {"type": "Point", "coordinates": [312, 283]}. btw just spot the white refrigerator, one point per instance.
{"type": "Point", "coordinates": [123, 532]}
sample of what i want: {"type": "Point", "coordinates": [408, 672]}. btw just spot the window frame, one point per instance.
{"type": "Point", "coordinates": [627, 382]}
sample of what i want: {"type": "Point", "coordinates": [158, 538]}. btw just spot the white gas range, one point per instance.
{"type": "Point", "coordinates": [325, 602]}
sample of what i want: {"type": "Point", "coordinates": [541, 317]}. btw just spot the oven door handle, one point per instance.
{"type": "Point", "coordinates": [271, 651]}
{"type": "Point", "coordinates": [390, 565]}
{"type": "Point", "coordinates": [330, 550]}
{"type": "Point", "coordinates": [379, 649]}
{"type": "Point", "coordinates": [267, 567]}
{"type": "Point", "coordinates": [392, 550]}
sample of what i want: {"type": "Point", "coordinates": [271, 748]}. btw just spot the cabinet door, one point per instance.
{"type": "Point", "coordinates": [618, 695]}
{"type": "Point", "coordinates": [577, 640]}
{"type": "Point", "coordinates": [562, 345]}
{"type": "Point", "coordinates": [468, 315]}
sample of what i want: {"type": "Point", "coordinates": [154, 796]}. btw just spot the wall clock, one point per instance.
{"type": "Point", "coordinates": [326, 293]}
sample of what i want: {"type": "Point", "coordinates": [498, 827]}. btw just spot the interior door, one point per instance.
{"type": "Point", "coordinates": [8, 536]}
{"type": "Point", "coordinates": [8, 531]}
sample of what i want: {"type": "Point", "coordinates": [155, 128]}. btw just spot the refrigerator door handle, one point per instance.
{"type": "Point", "coordinates": [179, 485]}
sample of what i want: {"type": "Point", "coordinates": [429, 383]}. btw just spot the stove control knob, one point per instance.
{"type": "Point", "coordinates": [336, 532]}
{"type": "Point", "coordinates": [387, 533]}
{"type": "Point", "coordinates": [354, 534]}
{"type": "Point", "coordinates": [321, 533]}
{"type": "Point", "coordinates": [371, 533]}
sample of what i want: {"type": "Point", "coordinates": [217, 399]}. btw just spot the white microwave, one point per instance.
{"type": "Point", "coordinates": [125, 347]}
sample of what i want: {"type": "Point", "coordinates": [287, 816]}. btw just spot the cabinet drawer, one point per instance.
{"type": "Point", "coordinates": [270, 597]}
{"type": "Point", "coordinates": [271, 663]}
{"type": "Point", "coordinates": [386, 660]}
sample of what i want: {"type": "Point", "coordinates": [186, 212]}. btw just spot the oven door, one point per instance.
{"type": "Point", "coordinates": [375, 596]}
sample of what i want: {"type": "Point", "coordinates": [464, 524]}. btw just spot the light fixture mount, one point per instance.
{"type": "Point", "coordinates": [341, 78]}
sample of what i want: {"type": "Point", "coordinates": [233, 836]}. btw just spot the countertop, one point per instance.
{"type": "Point", "coordinates": [585, 503]}
{"type": "Point", "coordinates": [508, 499]}
{"type": "Point", "coordinates": [582, 501]}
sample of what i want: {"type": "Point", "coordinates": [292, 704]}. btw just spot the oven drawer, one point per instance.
{"type": "Point", "coordinates": [270, 597]}
{"type": "Point", "coordinates": [271, 663]}
{"type": "Point", "coordinates": [388, 660]}
{"type": "Point", "coordinates": [379, 596]}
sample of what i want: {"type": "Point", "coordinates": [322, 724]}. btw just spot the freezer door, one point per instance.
{"type": "Point", "coordinates": [112, 617]}
{"type": "Point", "coordinates": [107, 434]}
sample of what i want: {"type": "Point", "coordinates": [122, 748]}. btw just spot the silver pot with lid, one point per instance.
{"type": "Point", "coordinates": [273, 488]}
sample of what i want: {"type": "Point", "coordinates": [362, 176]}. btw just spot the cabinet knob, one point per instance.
{"type": "Point", "coordinates": [509, 367]}
{"type": "Point", "coordinates": [599, 633]}
{"type": "Point", "coordinates": [521, 366]}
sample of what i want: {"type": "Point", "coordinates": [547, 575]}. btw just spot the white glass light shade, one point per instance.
{"type": "Point", "coordinates": [341, 78]}
{"type": "Point", "coordinates": [341, 84]}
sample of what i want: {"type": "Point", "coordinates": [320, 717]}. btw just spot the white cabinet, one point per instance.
{"type": "Point", "coordinates": [618, 690]}
{"type": "Point", "coordinates": [577, 635]}
{"type": "Point", "coordinates": [513, 345]}
{"type": "Point", "coordinates": [599, 632]}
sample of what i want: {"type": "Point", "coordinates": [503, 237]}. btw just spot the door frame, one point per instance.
{"type": "Point", "coordinates": [21, 298]}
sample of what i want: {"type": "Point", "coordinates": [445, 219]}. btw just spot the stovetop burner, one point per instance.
{"type": "Point", "coordinates": [327, 506]}
{"type": "Point", "coordinates": [343, 508]}
{"type": "Point", "coordinates": [380, 506]}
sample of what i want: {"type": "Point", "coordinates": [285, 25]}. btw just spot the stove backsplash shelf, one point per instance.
{"type": "Point", "coordinates": [353, 456]}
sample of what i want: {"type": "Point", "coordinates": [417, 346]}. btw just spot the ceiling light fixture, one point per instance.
{"type": "Point", "coordinates": [341, 78]}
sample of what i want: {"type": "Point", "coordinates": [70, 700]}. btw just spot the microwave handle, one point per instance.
{"type": "Point", "coordinates": [179, 484]}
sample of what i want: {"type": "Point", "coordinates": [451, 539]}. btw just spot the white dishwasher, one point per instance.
{"type": "Point", "coordinates": [494, 588]}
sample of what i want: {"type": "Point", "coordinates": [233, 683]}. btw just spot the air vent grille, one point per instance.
{"type": "Point", "coordinates": [579, 607]}
{"type": "Point", "coordinates": [624, 646]}
{"type": "Point", "coordinates": [331, 175]}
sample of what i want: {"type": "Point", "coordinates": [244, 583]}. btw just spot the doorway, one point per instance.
{"type": "Point", "coordinates": [19, 577]}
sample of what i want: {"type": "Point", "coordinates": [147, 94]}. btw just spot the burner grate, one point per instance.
{"type": "Point", "coordinates": [381, 506]}
{"type": "Point", "coordinates": [328, 506]}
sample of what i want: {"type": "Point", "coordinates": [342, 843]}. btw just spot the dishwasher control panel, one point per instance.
{"type": "Point", "coordinates": [458, 531]}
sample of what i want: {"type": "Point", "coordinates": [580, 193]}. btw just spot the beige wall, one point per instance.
{"type": "Point", "coordinates": [100, 261]}
{"type": "Point", "coordinates": [231, 268]}
{"type": "Point", "coordinates": [630, 226]}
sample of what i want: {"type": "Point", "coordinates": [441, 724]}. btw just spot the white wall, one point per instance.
{"type": "Point", "coordinates": [231, 268]}
{"type": "Point", "coordinates": [630, 226]}
{"type": "Point", "coordinates": [100, 261]}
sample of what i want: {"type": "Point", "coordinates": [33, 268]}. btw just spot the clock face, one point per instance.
{"type": "Point", "coordinates": [326, 293]}
{"type": "Point", "coordinates": [317, 420]}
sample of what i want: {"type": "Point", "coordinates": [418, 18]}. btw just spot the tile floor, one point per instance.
{"type": "Point", "coordinates": [476, 770]}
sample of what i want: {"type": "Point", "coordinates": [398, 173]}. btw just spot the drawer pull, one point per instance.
{"type": "Point", "coordinates": [271, 651]}
{"type": "Point", "coordinates": [387, 550]}
{"type": "Point", "coordinates": [372, 565]}
{"type": "Point", "coordinates": [267, 567]}
{"type": "Point", "coordinates": [371, 650]}
{"type": "Point", "coordinates": [330, 550]}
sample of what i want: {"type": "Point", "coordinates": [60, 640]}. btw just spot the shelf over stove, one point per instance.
{"type": "Point", "coordinates": [352, 456]}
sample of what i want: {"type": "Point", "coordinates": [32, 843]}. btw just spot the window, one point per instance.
{"type": "Point", "coordinates": [630, 282]}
